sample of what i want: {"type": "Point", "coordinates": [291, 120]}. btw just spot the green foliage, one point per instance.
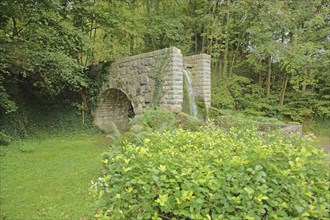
{"type": "Point", "coordinates": [39, 47]}
{"type": "Point", "coordinates": [201, 109]}
{"type": "Point", "coordinates": [318, 126]}
{"type": "Point", "coordinates": [186, 100]}
{"type": "Point", "coordinates": [150, 121]}
{"type": "Point", "coordinates": [262, 63]}
{"type": "Point", "coordinates": [6, 103]}
{"type": "Point", "coordinates": [39, 66]}
{"type": "Point", "coordinates": [116, 135]}
{"type": "Point", "coordinates": [155, 120]}
{"type": "Point", "coordinates": [37, 119]}
{"type": "Point", "coordinates": [212, 174]}
{"type": "Point", "coordinates": [301, 105]}
{"type": "Point", "coordinates": [221, 97]}
{"type": "Point", "coordinates": [97, 75]}
{"type": "Point", "coordinates": [262, 106]}
{"type": "Point", "coordinates": [228, 120]}
{"type": "Point", "coordinates": [4, 139]}
{"type": "Point", "coordinates": [227, 92]}
{"type": "Point", "coordinates": [187, 122]}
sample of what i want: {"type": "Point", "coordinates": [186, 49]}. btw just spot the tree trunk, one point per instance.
{"type": "Point", "coordinates": [260, 77]}
{"type": "Point", "coordinates": [196, 42]}
{"type": "Point", "coordinates": [15, 30]}
{"type": "Point", "coordinates": [285, 83]}
{"type": "Point", "coordinates": [233, 61]}
{"type": "Point", "coordinates": [131, 42]}
{"type": "Point", "coordinates": [269, 75]}
{"type": "Point", "coordinates": [210, 47]}
{"type": "Point", "coordinates": [303, 88]}
{"type": "Point", "coordinates": [259, 80]}
{"type": "Point", "coordinates": [219, 66]}
{"type": "Point", "coordinates": [203, 40]}
{"type": "Point", "coordinates": [225, 58]}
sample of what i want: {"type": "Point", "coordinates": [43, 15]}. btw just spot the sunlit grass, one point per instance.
{"type": "Point", "coordinates": [48, 178]}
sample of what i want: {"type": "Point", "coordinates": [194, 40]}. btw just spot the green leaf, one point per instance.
{"type": "Point", "coordinates": [249, 190]}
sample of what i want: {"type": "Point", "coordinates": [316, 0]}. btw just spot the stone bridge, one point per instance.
{"type": "Point", "coordinates": [147, 80]}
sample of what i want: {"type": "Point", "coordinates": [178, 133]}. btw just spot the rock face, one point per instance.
{"type": "Point", "coordinates": [136, 83]}
{"type": "Point", "coordinates": [287, 128]}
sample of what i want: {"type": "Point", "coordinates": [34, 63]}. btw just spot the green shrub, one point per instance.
{"type": "Point", "coordinates": [188, 122]}
{"type": "Point", "coordinates": [212, 174]}
{"type": "Point", "coordinates": [155, 119]}
{"type": "Point", "coordinates": [158, 120]}
{"type": "Point", "coordinates": [43, 120]}
{"type": "Point", "coordinates": [116, 136]}
{"type": "Point", "coordinates": [4, 139]}
{"type": "Point", "coordinates": [226, 120]}
{"type": "Point", "coordinates": [300, 105]}
{"type": "Point", "coordinates": [152, 120]}
{"type": "Point", "coordinates": [319, 126]}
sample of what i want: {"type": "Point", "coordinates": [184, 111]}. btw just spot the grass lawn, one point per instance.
{"type": "Point", "coordinates": [49, 178]}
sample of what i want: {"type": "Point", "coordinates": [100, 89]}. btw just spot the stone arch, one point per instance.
{"type": "Point", "coordinates": [137, 76]}
{"type": "Point", "coordinates": [114, 107]}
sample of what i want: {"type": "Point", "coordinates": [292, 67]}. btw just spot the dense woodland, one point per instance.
{"type": "Point", "coordinates": [269, 58]}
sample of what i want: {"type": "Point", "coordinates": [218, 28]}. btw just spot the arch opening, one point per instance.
{"type": "Point", "coordinates": [115, 107]}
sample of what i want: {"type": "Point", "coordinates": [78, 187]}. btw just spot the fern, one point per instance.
{"type": "Point", "coordinates": [116, 136]}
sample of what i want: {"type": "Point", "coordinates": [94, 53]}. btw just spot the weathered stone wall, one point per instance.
{"type": "Point", "coordinates": [287, 128]}
{"type": "Point", "coordinates": [114, 107]}
{"type": "Point", "coordinates": [136, 77]}
{"type": "Point", "coordinates": [134, 82]}
{"type": "Point", "coordinates": [173, 82]}
{"type": "Point", "coordinates": [199, 69]}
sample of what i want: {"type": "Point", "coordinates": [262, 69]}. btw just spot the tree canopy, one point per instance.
{"type": "Point", "coordinates": [269, 58]}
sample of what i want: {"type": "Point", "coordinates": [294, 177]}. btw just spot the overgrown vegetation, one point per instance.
{"type": "Point", "coordinates": [161, 70]}
{"type": "Point", "coordinates": [40, 118]}
{"type": "Point", "coordinates": [214, 174]}
{"type": "Point", "coordinates": [269, 58]}
{"type": "Point", "coordinates": [154, 120]}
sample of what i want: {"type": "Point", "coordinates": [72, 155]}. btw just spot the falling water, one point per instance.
{"type": "Point", "coordinates": [192, 104]}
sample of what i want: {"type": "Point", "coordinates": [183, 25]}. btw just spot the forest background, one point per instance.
{"type": "Point", "coordinates": [269, 58]}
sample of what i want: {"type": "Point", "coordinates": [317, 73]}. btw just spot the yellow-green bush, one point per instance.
{"type": "Point", "coordinates": [212, 174]}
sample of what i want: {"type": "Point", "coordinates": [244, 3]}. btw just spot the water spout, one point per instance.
{"type": "Point", "coordinates": [192, 103]}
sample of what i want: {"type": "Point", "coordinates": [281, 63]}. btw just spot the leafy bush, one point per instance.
{"type": "Point", "coordinates": [212, 174]}
{"type": "Point", "coordinates": [187, 122]}
{"type": "Point", "coordinates": [318, 126]}
{"type": "Point", "coordinates": [300, 106]}
{"type": "Point", "coordinates": [4, 139]}
{"type": "Point", "coordinates": [227, 119]}
{"type": "Point", "coordinates": [158, 120]}
{"type": "Point", "coordinates": [39, 120]}
{"type": "Point", "coordinates": [155, 119]}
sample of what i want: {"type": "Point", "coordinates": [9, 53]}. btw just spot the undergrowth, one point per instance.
{"type": "Point", "coordinates": [162, 170]}
{"type": "Point", "coordinates": [42, 121]}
